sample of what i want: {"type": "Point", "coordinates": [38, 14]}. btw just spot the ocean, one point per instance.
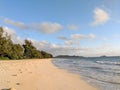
{"type": "Point", "coordinates": [102, 72]}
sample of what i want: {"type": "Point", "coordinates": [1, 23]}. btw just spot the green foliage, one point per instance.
{"type": "Point", "coordinates": [8, 50]}
{"type": "Point", "coordinates": [5, 45]}
{"type": "Point", "coordinates": [17, 52]}
{"type": "Point", "coordinates": [4, 58]}
{"type": "Point", "coordinates": [46, 55]}
{"type": "Point", "coordinates": [31, 52]}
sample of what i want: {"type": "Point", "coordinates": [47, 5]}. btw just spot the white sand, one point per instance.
{"type": "Point", "coordinates": [38, 75]}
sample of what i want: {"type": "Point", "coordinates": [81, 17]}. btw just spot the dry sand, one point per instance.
{"type": "Point", "coordinates": [38, 75]}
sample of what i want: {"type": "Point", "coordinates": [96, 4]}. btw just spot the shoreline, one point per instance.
{"type": "Point", "coordinates": [38, 75]}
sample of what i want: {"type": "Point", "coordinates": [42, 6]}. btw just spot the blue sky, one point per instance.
{"type": "Point", "coordinates": [72, 27]}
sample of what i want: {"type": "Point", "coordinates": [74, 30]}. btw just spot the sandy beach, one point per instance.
{"type": "Point", "coordinates": [38, 75]}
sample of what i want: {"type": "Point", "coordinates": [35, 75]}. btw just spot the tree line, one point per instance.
{"type": "Point", "coordinates": [9, 50]}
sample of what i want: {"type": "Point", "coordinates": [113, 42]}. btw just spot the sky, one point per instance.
{"type": "Point", "coordinates": [64, 27]}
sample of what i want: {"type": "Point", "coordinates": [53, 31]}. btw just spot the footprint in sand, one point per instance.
{"type": "Point", "coordinates": [14, 75]}
{"type": "Point", "coordinates": [20, 71]}
{"type": "Point", "coordinates": [30, 72]}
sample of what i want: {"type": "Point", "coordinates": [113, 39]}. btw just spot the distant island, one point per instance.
{"type": "Point", "coordinates": [68, 56]}
{"type": "Point", "coordinates": [9, 50]}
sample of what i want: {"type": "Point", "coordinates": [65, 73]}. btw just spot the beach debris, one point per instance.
{"type": "Point", "coordinates": [17, 83]}
{"type": "Point", "coordinates": [8, 89]}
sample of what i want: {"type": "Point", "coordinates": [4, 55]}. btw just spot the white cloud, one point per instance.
{"type": "Point", "coordinates": [15, 38]}
{"type": "Point", "coordinates": [72, 27]}
{"type": "Point", "coordinates": [45, 27]}
{"type": "Point", "coordinates": [74, 39]}
{"type": "Point", "coordinates": [78, 36]}
{"type": "Point", "coordinates": [100, 16]}
{"type": "Point", "coordinates": [48, 27]}
{"type": "Point", "coordinates": [92, 36]}
{"type": "Point", "coordinates": [9, 31]}
{"type": "Point", "coordinates": [82, 36]}
{"type": "Point", "coordinates": [15, 23]}
{"type": "Point", "coordinates": [63, 38]}
{"type": "Point", "coordinates": [72, 42]}
{"type": "Point", "coordinates": [56, 49]}
{"type": "Point", "coordinates": [80, 51]}
{"type": "Point", "coordinates": [41, 45]}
